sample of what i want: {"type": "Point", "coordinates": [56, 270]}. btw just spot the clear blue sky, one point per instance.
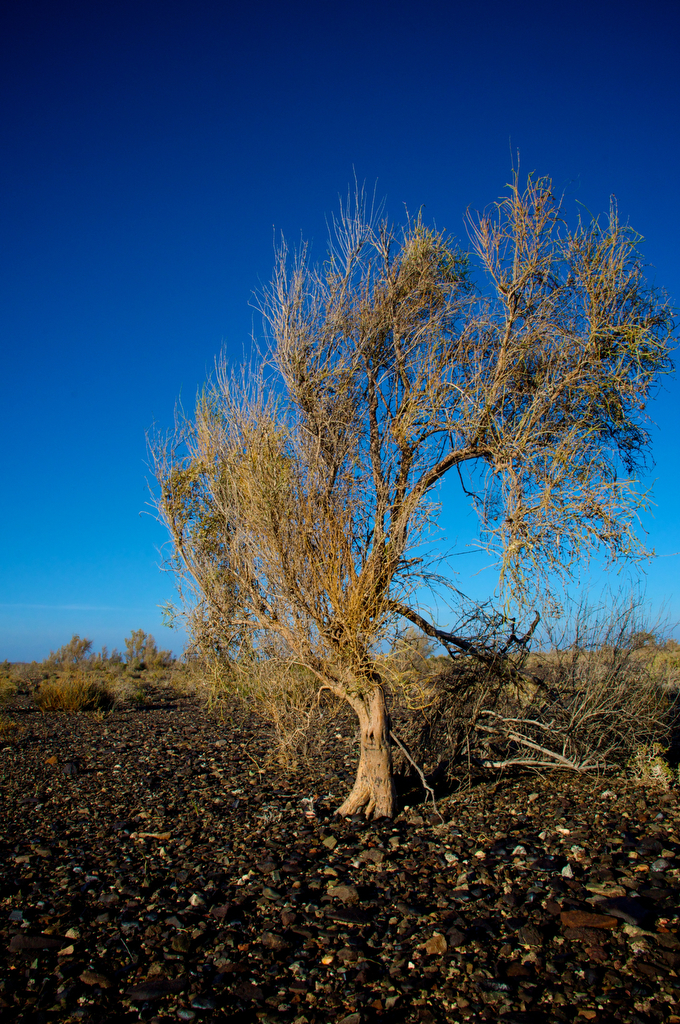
{"type": "Point", "coordinates": [148, 149]}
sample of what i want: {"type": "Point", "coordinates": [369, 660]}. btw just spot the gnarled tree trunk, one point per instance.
{"type": "Point", "coordinates": [374, 785]}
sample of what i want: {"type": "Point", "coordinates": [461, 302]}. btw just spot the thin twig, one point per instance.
{"type": "Point", "coordinates": [417, 767]}
{"type": "Point", "coordinates": [518, 738]}
{"type": "Point", "coordinates": [523, 721]}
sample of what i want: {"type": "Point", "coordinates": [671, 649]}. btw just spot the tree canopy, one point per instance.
{"type": "Point", "coordinates": [300, 491]}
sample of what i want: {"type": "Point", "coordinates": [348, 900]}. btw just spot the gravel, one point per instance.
{"type": "Point", "coordinates": [157, 865]}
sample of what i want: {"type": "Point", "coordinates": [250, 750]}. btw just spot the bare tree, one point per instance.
{"type": "Point", "coordinates": [300, 493]}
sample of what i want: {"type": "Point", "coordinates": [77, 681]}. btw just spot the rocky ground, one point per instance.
{"type": "Point", "coordinates": [156, 866]}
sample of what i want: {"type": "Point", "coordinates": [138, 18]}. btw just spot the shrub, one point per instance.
{"type": "Point", "coordinates": [141, 652]}
{"type": "Point", "coordinates": [29, 675]}
{"type": "Point", "coordinates": [75, 652]}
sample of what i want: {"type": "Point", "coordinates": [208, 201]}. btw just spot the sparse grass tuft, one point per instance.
{"type": "Point", "coordinates": [7, 727]}
{"type": "Point", "coordinates": [74, 691]}
{"type": "Point", "coordinates": [7, 688]}
{"type": "Point", "coordinates": [649, 767]}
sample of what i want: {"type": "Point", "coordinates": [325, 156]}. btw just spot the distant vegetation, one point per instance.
{"type": "Point", "coordinates": [75, 678]}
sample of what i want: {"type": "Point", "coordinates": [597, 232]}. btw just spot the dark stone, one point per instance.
{"type": "Point", "coordinates": [455, 937]}
{"type": "Point", "coordinates": [21, 942]}
{"type": "Point", "coordinates": [270, 940]}
{"type": "Point", "coordinates": [155, 988]}
{"type": "Point", "coordinates": [581, 919]}
{"type": "Point", "coordinates": [246, 991]}
{"type": "Point", "coordinates": [633, 911]}
{"type": "Point", "coordinates": [530, 936]}
{"type": "Point", "coordinates": [346, 916]}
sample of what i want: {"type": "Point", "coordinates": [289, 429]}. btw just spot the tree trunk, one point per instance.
{"type": "Point", "coordinates": [374, 785]}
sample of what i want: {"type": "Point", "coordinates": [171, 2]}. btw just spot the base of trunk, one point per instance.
{"type": "Point", "coordinates": [374, 786]}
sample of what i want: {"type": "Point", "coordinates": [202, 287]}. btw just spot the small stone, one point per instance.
{"type": "Point", "coordinates": [330, 842]}
{"type": "Point", "coordinates": [592, 937]}
{"type": "Point", "coordinates": [72, 933]}
{"type": "Point", "coordinates": [181, 943]}
{"type": "Point", "coordinates": [351, 1018]}
{"type": "Point", "coordinates": [185, 1014]}
{"type": "Point", "coordinates": [518, 970]}
{"type": "Point", "coordinates": [270, 940]}
{"type": "Point", "coordinates": [196, 900]}
{"type": "Point", "coordinates": [16, 915]}
{"type": "Point", "coordinates": [406, 909]}
{"type": "Point", "coordinates": [372, 854]}
{"type": "Point", "coordinates": [19, 943]}
{"type": "Point", "coordinates": [247, 990]}
{"type": "Point", "coordinates": [530, 936]}
{"type": "Point", "coordinates": [154, 988]}
{"type": "Point", "coordinates": [204, 1003]}
{"type": "Point", "coordinates": [582, 919]}
{"type": "Point", "coordinates": [52, 760]}
{"type": "Point", "coordinates": [93, 978]}
{"type": "Point", "coordinates": [567, 871]}
{"type": "Point", "coordinates": [660, 865]}
{"type": "Point", "coordinates": [346, 955]}
{"type": "Point", "coordinates": [346, 893]}
{"type": "Point", "coordinates": [436, 945]}
{"type": "Point", "coordinates": [266, 866]}
{"type": "Point", "coordinates": [532, 797]}
{"type": "Point", "coordinates": [632, 911]}
{"type": "Point", "coordinates": [455, 937]}
{"type": "Point", "coordinates": [67, 951]}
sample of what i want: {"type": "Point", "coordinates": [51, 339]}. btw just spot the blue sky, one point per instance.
{"type": "Point", "coordinates": [149, 148]}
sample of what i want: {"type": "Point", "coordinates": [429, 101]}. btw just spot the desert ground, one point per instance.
{"type": "Point", "coordinates": [159, 864]}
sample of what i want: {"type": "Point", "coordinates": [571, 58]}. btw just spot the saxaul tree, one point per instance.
{"type": "Point", "coordinates": [299, 493]}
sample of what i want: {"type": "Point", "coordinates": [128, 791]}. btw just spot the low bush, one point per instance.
{"type": "Point", "coordinates": [7, 688]}
{"type": "Point", "coordinates": [278, 694]}
{"type": "Point", "coordinates": [601, 699]}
